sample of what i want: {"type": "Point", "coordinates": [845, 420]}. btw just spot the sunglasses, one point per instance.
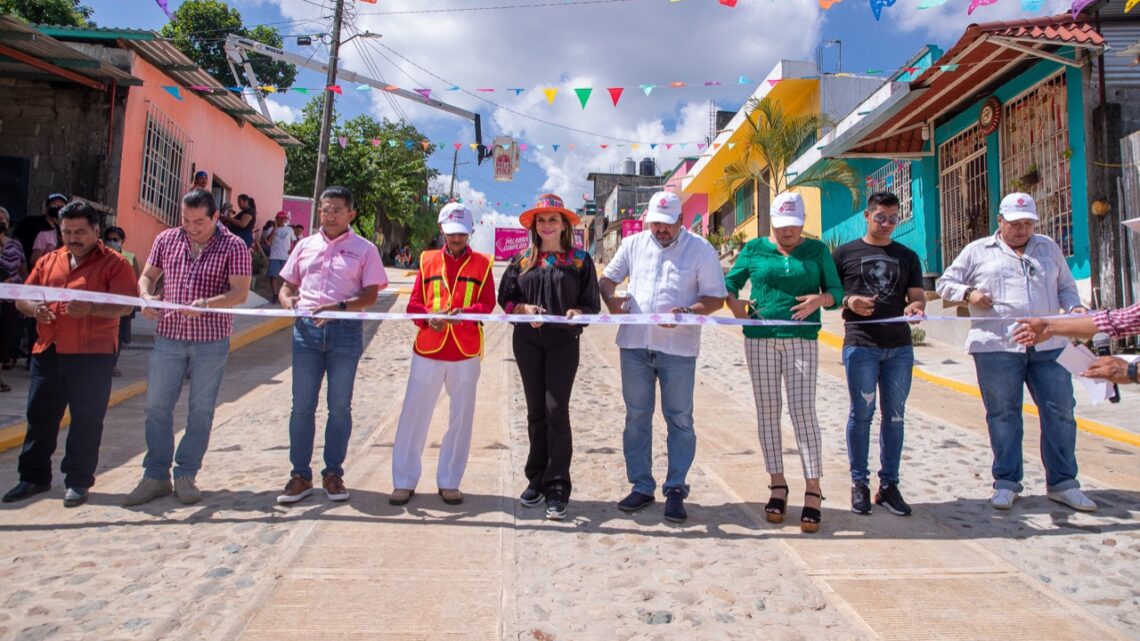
{"type": "Point", "coordinates": [885, 220]}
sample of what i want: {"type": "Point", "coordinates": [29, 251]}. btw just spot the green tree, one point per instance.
{"type": "Point", "coordinates": [382, 178]}
{"type": "Point", "coordinates": [775, 140]}
{"type": "Point", "coordinates": [66, 13]}
{"type": "Point", "coordinates": [199, 30]}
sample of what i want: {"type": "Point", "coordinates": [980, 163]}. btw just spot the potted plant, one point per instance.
{"type": "Point", "coordinates": [1031, 177]}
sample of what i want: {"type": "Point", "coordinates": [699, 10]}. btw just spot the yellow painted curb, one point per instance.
{"type": "Point", "coordinates": [1090, 426]}
{"type": "Point", "coordinates": [12, 435]}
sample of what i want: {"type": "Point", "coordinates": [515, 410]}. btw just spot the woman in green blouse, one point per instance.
{"type": "Point", "coordinates": [792, 278]}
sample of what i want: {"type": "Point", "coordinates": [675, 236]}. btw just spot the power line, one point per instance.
{"type": "Point", "coordinates": [371, 65]}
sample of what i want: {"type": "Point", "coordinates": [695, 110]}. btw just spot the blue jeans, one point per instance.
{"type": "Point", "coordinates": [887, 370]}
{"type": "Point", "coordinates": [1002, 377]}
{"type": "Point", "coordinates": [640, 371]}
{"type": "Point", "coordinates": [170, 361]}
{"type": "Point", "coordinates": [334, 350]}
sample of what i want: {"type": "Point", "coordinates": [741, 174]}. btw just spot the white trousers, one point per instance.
{"type": "Point", "coordinates": [425, 381]}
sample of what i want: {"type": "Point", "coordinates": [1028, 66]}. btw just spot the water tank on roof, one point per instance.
{"type": "Point", "coordinates": [648, 167]}
{"type": "Point", "coordinates": [629, 167]}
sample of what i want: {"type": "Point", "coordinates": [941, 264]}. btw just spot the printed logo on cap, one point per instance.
{"type": "Point", "coordinates": [663, 203]}
{"type": "Point", "coordinates": [456, 214]}
{"type": "Point", "coordinates": [1020, 200]}
{"type": "Point", "coordinates": [787, 206]}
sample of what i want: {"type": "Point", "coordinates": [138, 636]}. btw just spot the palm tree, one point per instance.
{"type": "Point", "coordinates": [775, 141]}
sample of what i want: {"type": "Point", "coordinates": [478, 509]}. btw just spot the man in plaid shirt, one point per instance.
{"type": "Point", "coordinates": [203, 266]}
{"type": "Point", "coordinates": [1116, 323]}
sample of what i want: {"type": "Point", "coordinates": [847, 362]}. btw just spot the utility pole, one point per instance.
{"type": "Point", "coordinates": [327, 113]}
{"type": "Point", "coordinates": [454, 167]}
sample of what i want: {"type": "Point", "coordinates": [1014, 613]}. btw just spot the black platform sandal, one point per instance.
{"type": "Point", "coordinates": [774, 508]}
{"type": "Point", "coordinates": [810, 516]}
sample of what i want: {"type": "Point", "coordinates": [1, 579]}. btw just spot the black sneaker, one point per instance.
{"type": "Point", "coordinates": [675, 505]}
{"type": "Point", "coordinates": [531, 497]}
{"type": "Point", "coordinates": [861, 498]}
{"type": "Point", "coordinates": [889, 497]}
{"type": "Point", "coordinates": [556, 505]}
{"type": "Point", "coordinates": [635, 501]}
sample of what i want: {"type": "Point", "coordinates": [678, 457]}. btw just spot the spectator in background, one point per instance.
{"type": "Point", "coordinates": [263, 240]}
{"type": "Point", "coordinates": [280, 244]}
{"type": "Point", "coordinates": [201, 181]}
{"type": "Point", "coordinates": [13, 269]}
{"type": "Point", "coordinates": [244, 222]}
{"type": "Point", "coordinates": [31, 226]}
{"type": "Point", "coordinates": [114, 238]}
{"type": "Point", "coordinates": [299, 232]}
{"type": "Point", "coordinates": [48, 239]}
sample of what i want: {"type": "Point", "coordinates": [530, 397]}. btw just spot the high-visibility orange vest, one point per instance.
{"type": "Point", "coordinates": [438, 297]}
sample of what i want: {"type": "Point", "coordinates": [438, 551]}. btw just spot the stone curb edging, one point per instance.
{"type": "Point", "coordinates": [12, 436]}
{"type": "Point", "coordinates": [1084, 424]}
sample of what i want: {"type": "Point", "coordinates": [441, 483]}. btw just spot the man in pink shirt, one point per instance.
{"type": "Point", "coordinates": [332, 270]}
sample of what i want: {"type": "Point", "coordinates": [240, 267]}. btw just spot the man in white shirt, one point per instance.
{"type": "Point", "coordinates": [1016, 274]}
{"type": "Point", "coordinates": [280, 244]}
{"type": "Point", "coordinates": [670, 271]}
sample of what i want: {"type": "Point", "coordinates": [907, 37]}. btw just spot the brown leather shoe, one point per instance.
{"type": "Point", "coordinates": [400, 496]}
{"type": "Point", "coordinates": [296, 489]}
{"type": "Point", "coordinates": [334, 487]}
{"type": "Point", "coordinates": [451, 497]}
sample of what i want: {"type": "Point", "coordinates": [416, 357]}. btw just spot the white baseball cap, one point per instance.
{"type": "Point", "coordinates": [787, 210]}
{"type": "Point", "coordinates": [664, 207]}
{"type": "Point", "coordinates": [456, 218]}
{"type": "Point", "coordinates": [1018, 206]}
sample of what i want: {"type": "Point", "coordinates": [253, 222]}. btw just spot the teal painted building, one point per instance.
{"type": "Point", "coordinates": [1003, 110]}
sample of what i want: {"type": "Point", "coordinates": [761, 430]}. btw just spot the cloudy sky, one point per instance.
{"type": "Point", "coordinates": [568, 44]}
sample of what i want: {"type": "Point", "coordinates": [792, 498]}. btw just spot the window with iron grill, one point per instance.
{"type": "Point", "coordinates": [963, 195]}
{"type": "Point", "coordinates": [895, 178]}
{"type": "Point", "coordinates": [743, 199]}
{"type": "Point", "coordinates": [165, 167]}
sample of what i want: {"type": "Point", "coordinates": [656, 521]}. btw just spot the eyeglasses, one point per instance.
{"type": "Point", "coordinates": [885, 220]}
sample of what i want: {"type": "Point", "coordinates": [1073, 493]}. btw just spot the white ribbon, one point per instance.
{"type": "Point", "coordinates": [55, 294]}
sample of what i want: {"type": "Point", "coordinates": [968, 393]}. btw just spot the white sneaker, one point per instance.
{"type": "Point", "coordinates": [1003, 499]}
{"type": "Point", "coordinates": [1074, 498]}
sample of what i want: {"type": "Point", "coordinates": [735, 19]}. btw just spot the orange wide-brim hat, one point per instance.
{"type": "Point", "coordinates": [548, 203]}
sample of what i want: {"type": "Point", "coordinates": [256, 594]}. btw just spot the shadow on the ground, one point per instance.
{"type": "Point", "coordinates": [961, 519]}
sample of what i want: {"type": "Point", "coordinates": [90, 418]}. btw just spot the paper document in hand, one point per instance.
{"type": "Point", "coordinates": [1077, 359]}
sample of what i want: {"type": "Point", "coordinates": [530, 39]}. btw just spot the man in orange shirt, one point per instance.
{"type": "Point", "coordinates": [452, 280]}
{"type": "Point", "coordinates": [73, 356]}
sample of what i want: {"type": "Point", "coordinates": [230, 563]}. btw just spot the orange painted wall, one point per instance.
{"type": "Point", "coordinates": [240, 156]}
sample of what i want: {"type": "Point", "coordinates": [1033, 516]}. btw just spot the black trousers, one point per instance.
{"type": "Point", "coordinates": [548, 362]}
{"type": "Point", "coordinates": [81, 383]}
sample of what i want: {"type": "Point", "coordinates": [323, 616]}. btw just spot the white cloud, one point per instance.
{"type": "Point", "coordinates": [947, 22]}
{"type": "Point", "coordinates": [278, 110]}
{"type": "Point", "coordinates": [598, 46]}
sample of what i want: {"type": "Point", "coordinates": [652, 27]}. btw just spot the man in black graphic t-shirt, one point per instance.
{"type": "Point", "coordinates": [882, 279]}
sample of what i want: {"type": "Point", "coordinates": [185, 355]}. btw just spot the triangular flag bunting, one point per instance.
{"type": "Point", "coordinates": [716, 145]}
{"type": "Point", "coordinates": [731, 145]}
{"type": "Point", "coordinates": [555, 148]}
{"type": "Point", "coordinates": [408, 144]}
{"type": "Point", "coordinates": [570, 146]}
{"type": "Point", "coordinates": [364, 88]}
{"type": "Point", "coordinates": [668, 146]}
{"type": "Point", "coordinates": [517, 91]}
{"type": "Point", "coordinates": [633, 146]}
{"type": "Point", "coordinates": [615, 94]}
{"type": "Point", "coordinates": [375, 142]}
{"type": "Point", "coordinates": [426, 144]}
{"type": "Point", "coordinates": [949, 67]}
{"type": "Point", "coordinates": [583, 95]}
{"type": "Point", "coordinates": [712, 83]}
{"type": "Point", "coordinates": [539, 147]}
{"type": "Point", "coordinates": [268, 88]}
{"type": "Point", "coordinates": [550, 92]}
{"type": "Point", "coordinates": [335, 89]}
{"type": "Point", "coordinates": [485, 90]}
{"type": "Point", "coordinates": [744, 81]}
{"type": "Point", "coordinates": [522, 146]}
{"type": "Point", "coordinates": [604, 146]}
{"type": "Point", "coordinates": [728, 3]}
{"type": "Point", "coordinates": [676, 85]}
{"type": "Point", "coordinates": [172, 90]}
{"type": "Point", "coordinates": [772, 83]}
{"type": "Point", "coordinates": [343, 142]}
{"type": "Point", "coordinates": [683, 145]}
{"type": "Point", "coordinates": [1130, 5]}
{"type": "Point", "coordinates": [701, 145]}
{"type": "Point", "coordinates": [653, 146]}
{"type": "Point", "coordinates": [648, 89]}
{"type": "Point", "coordinates": [392, 143]}
{"type": "Point", "coordinates": [458, 145]}
{"type": "Point", "coordinates": [474, 146]}
{"type": "Point", "coordinates": [390, 87]}
{"type": "Point", "coordinates": [426, 93]}
{"type": "Point", "coordinates": [453, 88]}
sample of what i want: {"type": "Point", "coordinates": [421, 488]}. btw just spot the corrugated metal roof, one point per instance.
{"type": "Point", "coordinates": [982, 62]}
{"type": "Point", "coordinates": [1121, 70]}
{"type": "Point", "coordinates": [167, 58]}
{"type": "Point", "coordinates": [29, 41]}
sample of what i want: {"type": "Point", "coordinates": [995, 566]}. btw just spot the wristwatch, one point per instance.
{"type": "Point", "coordinates": [342, 306]}
{"type": "Point", "coordinates": [1132, 373]}
{"type": "Point", "coordinates": [966, 296]}
{"type": "Point", "coordinates": [686, 310]}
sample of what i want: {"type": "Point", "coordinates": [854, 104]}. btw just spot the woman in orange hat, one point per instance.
{"type": "Point", "coordinates": [551, 277]}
